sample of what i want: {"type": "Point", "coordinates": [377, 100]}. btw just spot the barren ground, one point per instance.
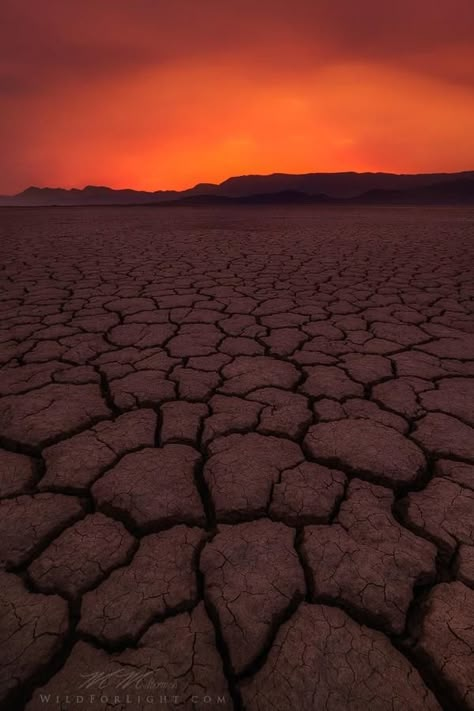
{"type": "Point", "coordinates": [237, 459]}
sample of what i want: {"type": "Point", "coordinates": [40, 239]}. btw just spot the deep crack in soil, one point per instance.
{"type": "Point", "coordinates": [237, 455]}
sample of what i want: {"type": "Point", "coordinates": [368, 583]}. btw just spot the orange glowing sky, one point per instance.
{"type": "Point", "coordinates": [157, 94]}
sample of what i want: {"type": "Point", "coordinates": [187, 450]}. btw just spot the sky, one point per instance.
{"type": "Point", "coordinates": [163, 94]}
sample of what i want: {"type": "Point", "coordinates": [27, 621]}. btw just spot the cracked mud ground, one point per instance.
{"type": "Point", "coordinates": [237, 458]}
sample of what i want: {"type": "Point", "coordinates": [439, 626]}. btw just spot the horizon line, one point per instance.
{"type": "Point", "coordinates": [233, 177]}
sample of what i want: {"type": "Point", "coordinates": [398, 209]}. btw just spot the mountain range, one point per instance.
{"type": "Point", "coordinates": [278, 188]}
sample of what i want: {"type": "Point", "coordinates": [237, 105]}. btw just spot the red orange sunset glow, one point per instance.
{"type": "Point", "coordinates": [152, 94]}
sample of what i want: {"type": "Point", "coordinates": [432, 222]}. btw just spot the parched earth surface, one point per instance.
{"type": "Point", "coordinates": [237, 459]}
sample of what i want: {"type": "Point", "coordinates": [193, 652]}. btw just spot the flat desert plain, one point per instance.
{"type": "Point", "coordinates": [237, 459]}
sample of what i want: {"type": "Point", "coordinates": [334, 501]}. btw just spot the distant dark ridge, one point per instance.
{"type": "Point", "coordinates": [336, 185]}
{"type": "Point", "coordinates": [271, 189]}
{"type": "Point", "coordinates": [285, 197]}
{"type": "Point", "coordinates": [90, 195]}
{"type": "Point", "coordinates": [458, 192]}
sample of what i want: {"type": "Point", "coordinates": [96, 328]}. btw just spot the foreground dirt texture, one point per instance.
{"type": "Point", "coordinates": [237, 459]}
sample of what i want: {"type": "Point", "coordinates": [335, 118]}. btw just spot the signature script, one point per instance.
{"type": "Point", "coordinates": [124, 679]}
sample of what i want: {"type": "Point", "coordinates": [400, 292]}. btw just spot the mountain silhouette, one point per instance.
{"type": "Point", "coordinates": [373, 188]}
